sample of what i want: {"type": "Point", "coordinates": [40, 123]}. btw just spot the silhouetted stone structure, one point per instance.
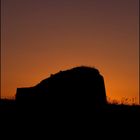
{"type": "Point", "coordinates": [77, 87]}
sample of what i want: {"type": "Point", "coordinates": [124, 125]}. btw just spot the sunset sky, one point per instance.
{"type": "Point", "coordinates": [41, 37]}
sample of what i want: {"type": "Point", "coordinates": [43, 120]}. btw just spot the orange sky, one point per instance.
{"type": "Point", "coordinates": [41, 37]}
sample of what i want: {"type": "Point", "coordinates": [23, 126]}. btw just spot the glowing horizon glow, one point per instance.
{"type": "Point", "coordinates": [41, 37]}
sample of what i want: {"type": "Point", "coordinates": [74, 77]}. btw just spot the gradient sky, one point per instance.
{"type": "Point", "coordinates": [41, 37]}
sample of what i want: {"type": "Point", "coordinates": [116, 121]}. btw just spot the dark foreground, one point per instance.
{"type": "Point", "coordinates": [12, 108]}
{"type": "Point", "coordinates": [110, 121]}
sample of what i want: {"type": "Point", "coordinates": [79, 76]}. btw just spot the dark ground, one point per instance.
{"type": "Point", "coordinates": [113, 121]}
{"type": "Point", "coordinates": [10, 107]}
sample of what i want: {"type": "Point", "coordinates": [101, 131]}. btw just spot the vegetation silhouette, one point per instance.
{"type": "Point", "coordinates": [74, 100]}
{"type": "Point", "coordinates": [80, 90]}
{"type": "Point", "coordinates": [77, 88]}
{"type": "Point", "coordinates": [68, 97]}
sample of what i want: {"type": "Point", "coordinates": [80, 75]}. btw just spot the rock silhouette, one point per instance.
{"type": "Point", "coordinates": [77, 87]}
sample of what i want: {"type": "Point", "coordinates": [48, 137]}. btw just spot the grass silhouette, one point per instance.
{"type": "Point", "coordinates": [79, 92]}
